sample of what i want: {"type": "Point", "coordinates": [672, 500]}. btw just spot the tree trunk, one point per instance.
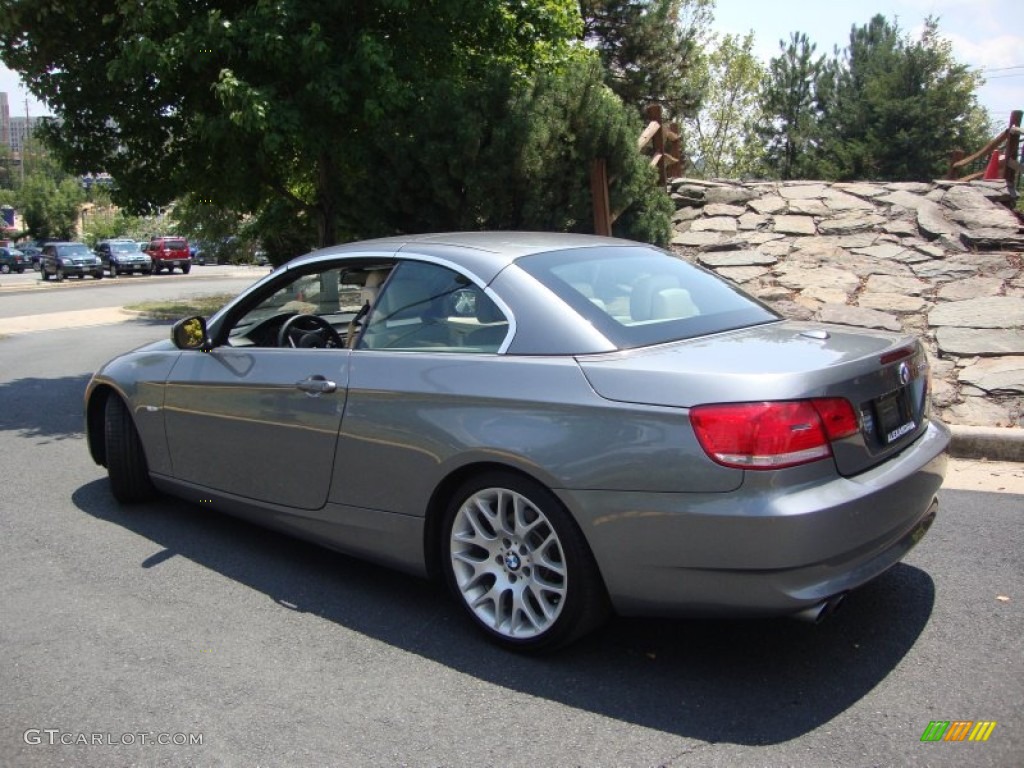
{"type": "Point", "coordinates": [326, 203]}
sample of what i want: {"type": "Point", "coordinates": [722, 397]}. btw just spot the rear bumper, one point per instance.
{"type": "Point", "coordinates": [783, 541]}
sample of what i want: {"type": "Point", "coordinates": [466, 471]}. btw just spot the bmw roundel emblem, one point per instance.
{"type": "Point", "coordinates": [904, 373]}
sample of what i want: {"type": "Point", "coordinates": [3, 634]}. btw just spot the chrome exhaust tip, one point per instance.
{"type": "Point", "coordinates": [817, 613]}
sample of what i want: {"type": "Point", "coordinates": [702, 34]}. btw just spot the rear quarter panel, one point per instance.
{"type": "Point", "coordinates": [413, 418]}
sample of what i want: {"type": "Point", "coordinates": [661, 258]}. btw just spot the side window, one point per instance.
{"type": "Point", "coordinates": [308, 310]}
{"type": "Point", "coordinates": [426, 307]}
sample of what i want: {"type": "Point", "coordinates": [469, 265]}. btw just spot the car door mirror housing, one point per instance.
{"type": "Point", "coordinates": [190, 333]}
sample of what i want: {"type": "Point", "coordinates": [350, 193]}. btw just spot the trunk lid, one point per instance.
{"type": "Point", "coordinates": [884, 375]}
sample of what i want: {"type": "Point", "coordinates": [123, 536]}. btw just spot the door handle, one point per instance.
{"type": "Point", "coordinates": [316, 385]}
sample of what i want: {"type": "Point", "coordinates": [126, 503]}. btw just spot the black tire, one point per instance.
{"type": "Point", "coordinates": [186, 269]}
{"type": "Point", "coordinates": [98, 275]}
{"type": "Point", "coordinates": [549, 590]}
{"type": "Point", "coordinates": [21, 271]}
{"type": "Point", "coordinates": [44, 274]}
{"type": "Point", "coordinates": [126, 461]}
{"type": "Point", "coordinates": [5, 269]}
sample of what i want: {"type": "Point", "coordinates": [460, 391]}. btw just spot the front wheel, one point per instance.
{"type": "Point", "coordinates": [126, 461]}
{"type": "Point", "coordinates": [517, 562]}
{"type": "Point", "coordinates": [44, 274]}
{"type": "Point", "coordinates": [5, 269]}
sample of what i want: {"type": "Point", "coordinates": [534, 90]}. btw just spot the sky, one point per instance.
{"type": "Point", "coordinates": [986, 34]}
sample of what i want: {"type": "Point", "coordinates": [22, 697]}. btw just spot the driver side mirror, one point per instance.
{"type": "Point", "coordinates": [190, 333]}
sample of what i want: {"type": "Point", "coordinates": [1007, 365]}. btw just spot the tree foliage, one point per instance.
{"type": "Point", "coordinates": [887, 107]}
{"type": "Point", "coordinates": [649, 49]}
{"type": "Point", "coordinates": [245, 103]}
{"type": "Point", "coordinates": [720, 137]}
{"type": "Point", "coordinates": [793, 101]}
{"type": "Point", "coordinates": [900, 105]}
{"type": "Point", "coordinates": [50, 200]}
{"type": "Point", "coordinates": [519, 158]}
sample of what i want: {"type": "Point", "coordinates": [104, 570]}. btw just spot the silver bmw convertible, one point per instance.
{"type": "Point", "coordinates": [559, 426]}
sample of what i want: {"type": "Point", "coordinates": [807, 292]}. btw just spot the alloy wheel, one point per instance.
{"type": "Point", "coordinates": [508, 563]}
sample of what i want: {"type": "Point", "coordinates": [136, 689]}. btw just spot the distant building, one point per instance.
{"type": "Point", "coordinates": [14, 130]}
{"type": "Point", "coordinates": [20, 127]}
{"type": "Point", "coordinates": [5, 120]}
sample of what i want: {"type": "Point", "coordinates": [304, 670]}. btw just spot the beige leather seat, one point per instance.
{"type": "Point", "coordinates": [367, 296]}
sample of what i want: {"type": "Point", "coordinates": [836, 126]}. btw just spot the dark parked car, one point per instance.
{"type": "Point", "coordinates": [12, 260]}
{"type": "Point", "coordinates": [554, 424]}
{"type": "Point", "coordinates": [32, 253]}
{"type": "Point", "coordinates": [123, 257]}
{"type": "Point", "coordinates": [69, 259]}
{"type": "Point", "coordinates": [169, 253]}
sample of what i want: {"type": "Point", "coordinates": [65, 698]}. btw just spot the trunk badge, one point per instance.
{"type": "Point", "coordinates": [904, 374]}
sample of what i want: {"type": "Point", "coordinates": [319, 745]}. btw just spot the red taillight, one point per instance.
{"type": "Point", "coordinates": [772, 435]}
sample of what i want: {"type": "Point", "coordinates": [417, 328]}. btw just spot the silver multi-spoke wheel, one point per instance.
{"type": "Point", "coordinates": [508, 563]}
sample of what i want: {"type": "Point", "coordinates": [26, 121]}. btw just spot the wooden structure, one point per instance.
{"type": "Point", "coordinates": [666, 150]}
{"type": "Point", "coordinates": [1008, 141]}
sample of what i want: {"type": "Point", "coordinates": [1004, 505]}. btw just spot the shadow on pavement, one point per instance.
{"type": "Point", "coordinates": [749, 682]}
{"type": "Point", "coordinates": [47, 408]}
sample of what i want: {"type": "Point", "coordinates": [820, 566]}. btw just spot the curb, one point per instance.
{"type": "Point", "coordinates": [992, 443]}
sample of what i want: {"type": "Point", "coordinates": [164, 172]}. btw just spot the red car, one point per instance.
{"type": "Point", "coordinates": [168, 253]}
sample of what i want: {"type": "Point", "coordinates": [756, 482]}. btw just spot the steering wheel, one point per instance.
{"type": "Point", "coordinates": [316, 333]}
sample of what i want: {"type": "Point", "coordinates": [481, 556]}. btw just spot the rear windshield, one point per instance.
{"type": "Point", "coordinates": [175, 245]}
{"type": "Point", "coordinates": [637, 296]}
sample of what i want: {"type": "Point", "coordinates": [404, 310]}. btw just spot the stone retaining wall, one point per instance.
{"type": "Point", "coordinates": [943, 260]}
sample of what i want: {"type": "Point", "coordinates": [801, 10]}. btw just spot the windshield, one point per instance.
{"type": "Point", "coordinates": [124, 247]}
{"type": "Point", "coordinates": [640, 295]}
{"type": "Point", "coordinates": [76, 249]}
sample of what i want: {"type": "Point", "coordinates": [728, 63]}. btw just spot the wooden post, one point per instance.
{"type": "Point", "coordinates": [675, 151]}
{"type": "Point", "coordinates": [1013, 150]}
{"type": "Point", "coordinates": [955, 157]}
{"type": "Point", "coordinates": [653, 114]}
{"type": "Point", "coordinates": [599, 193]}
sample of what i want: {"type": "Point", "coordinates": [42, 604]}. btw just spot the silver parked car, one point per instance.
{"type": "Point", "coordinates": [557, 425]}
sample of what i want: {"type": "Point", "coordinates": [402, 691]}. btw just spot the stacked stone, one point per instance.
{"type": "Point", "coordinates": [941, 260]}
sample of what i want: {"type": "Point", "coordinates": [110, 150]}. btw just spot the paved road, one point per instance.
{"type": "Point", "coordinates": [171, 620]}
{"type": "Point", "coordinates": [26, 294]}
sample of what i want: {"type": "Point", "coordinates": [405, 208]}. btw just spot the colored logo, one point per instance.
{"type": "Point", "coordinates": [958, 730]}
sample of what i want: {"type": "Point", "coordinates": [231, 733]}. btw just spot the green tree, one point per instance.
{"type": "Point", "coordinates": [518, 157]}
{"type": "Point", "coordinates": [901, 105]}
{"type": "Point", "coordinates": [720, 137]}
{"type": "Point", "coordinates": [50, 208]}
{"type": "Point", "coordinates": [792, 108]}
{"type": "Point", "coordinates": [649, 48]}
{"type": "Point", "coordinates": [244, 103]}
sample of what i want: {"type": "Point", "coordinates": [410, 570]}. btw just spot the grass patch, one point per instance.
{"type": "Point", "coordinates": [174, 309]}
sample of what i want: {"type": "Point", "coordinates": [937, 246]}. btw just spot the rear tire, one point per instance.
{"type": "Point", "coordinates": [126, 460]}
{"type": "Point", "coordinates": [518, 564]}
{"type": "Point", "coordinates": [186, 269]}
